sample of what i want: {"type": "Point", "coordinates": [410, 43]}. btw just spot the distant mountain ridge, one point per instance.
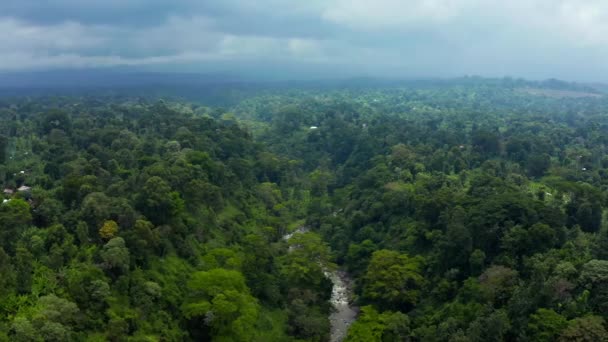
{"type": "Point", "coordinates": [128, 78]}
{"type": "Point", "coordinates": [225, 89]}
{"type": "Point", "coordinates": [106, 78]}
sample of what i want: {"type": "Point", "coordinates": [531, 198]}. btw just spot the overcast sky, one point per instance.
{"type": "Point", "coordinates": [409, 38]}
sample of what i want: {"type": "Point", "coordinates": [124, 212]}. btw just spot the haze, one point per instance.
{"type": "Point", "coordinates": [302, 39]}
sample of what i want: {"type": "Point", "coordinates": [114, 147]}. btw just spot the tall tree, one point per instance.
{"type": "Point", "coordinates": [393, 280]}
{"type": "Point", "coordinates": [220, 301]}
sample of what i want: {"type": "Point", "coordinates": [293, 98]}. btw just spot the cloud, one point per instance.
{"type": "Point", "coordinates": [66, 36]}
{"type": "Point", "coordinates": [586, 23]}
{"type": "Point", "coordinates": [391, 14]}
{"type": "Point", "coordinates": [540, 38]}
{"type": "Point", "coordinates": [177, 40]}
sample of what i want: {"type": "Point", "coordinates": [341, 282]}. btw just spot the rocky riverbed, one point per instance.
{"type": "Point", "coordinates": [344, 314]}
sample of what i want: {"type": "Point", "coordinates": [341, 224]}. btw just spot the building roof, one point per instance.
{"type": "Point", "coordinates": [24, 188]}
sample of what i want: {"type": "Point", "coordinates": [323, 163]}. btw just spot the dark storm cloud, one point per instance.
{"type": "Point", "coordinates": [533, 38]}
{"type": "Point", "coordinates": [110, 12]}
{"type": "Point", "coordinates": [270, 18]}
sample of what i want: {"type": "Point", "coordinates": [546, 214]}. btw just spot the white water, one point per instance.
{"type": "Point", "coordinates": [343, 314]}
{"type": "Point", "coordinates": [300, 230]}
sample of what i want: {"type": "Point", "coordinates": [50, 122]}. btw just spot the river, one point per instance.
{"type": "Point", "coordinates": [344, 314]}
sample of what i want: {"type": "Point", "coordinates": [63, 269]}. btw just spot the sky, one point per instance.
{"type": "Point", "coordinates": [535, 39]}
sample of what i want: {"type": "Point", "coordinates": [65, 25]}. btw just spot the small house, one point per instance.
{"type": "Point", "coordinates": [24, 188]}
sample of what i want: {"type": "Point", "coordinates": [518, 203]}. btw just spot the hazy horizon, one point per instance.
{"type": "Point", "coordinates": [535, 39]}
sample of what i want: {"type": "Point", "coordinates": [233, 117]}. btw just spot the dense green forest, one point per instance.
{"type": "Point", "coordinates": [463, 210]}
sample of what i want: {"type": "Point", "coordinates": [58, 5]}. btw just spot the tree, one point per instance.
{"type": "Point", "coordinates": [359, 255]}
{"type": "Point", "coordinates": [222, 258]}
{"type": "Point", "coordinates": [24, 268]}
{"type": "Point", "coordinates": [8, 278]}
{"type": "Point", "coordinates": [546, 325]}
{"type": "Point", "coordinates": [87, 285]}
{"type": "Point", "coordinates": [589, 216]}
{"type": "Point", "coordinates": [259, 268]}
{"type": "Point", "coordinates": [306, 320]}
{"type": "Point", "coordinates": [52, 319]}
{"type": "Point", "coordinates": [3, 148]}
{"type": "Point", "coordinates": [498, 283]}
{"type": "Point", "coordinates": [402, 156]}
{"type": "Point", "coordinates": [486, 141]}
{"type": "Point", "coordinates": [24, 331]}
{"type": "Point", "coordinates": [368, 327]}
{"type": "Point", "coordinates": [594, 277]}
{"type": "Point", "coordinates": [519, 241]}
{"type": "Point", "coordinates": [538, 164]}
{"type": "Point", "coordinates": [15, 216]}
{"type": "Point", "coordinates": [379, 327]}
{"type": "Point", "coordinates": [144, 240]}
{"type": "Point", "coordinates": [585, 329]}
{"type": "Point", "coordinates": [47, 212]}
{"type": "Point", "coordinates": [458, 241]}
{"type": "Point", "coordinates": [220, 300]}
{"type": "Point", "coordinates": [542, 237]}
{"type": "Point", "coordinates": [393, 280]}
{"type": "Point", "coordinates": [303, 266]}
{"type": "Point", "coordinates": [115, 255]}
{"type": "Point", "coordinates": [108, 230]}
{"type": "Point", "coordinates": [95, 208]}
{"type": "Point", "coordinates": [476, 261]}
{"type": "Point", "coordinates": [492, 327]}
{"type": "Point", "coordinates": [56, 119]}
{"type": "Point", "coordinates": [157, 201]}
{"type": "Point", "coordinates": [320, 182]}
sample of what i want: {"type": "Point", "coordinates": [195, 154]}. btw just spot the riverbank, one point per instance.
{"type": "Point", "coordinates": [343, 314]}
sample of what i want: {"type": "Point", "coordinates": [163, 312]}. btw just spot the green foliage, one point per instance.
{"type": "Point", "coordinates": [8, 279]}
{"type": "Point", "coordinates": [115, 255]}
{"type": "Point", "coordinates": [594, 277]}
{"type": "Point", "coordinates": [463, 210]}
{"type": "Point", "coordinates": [589, 328]}
{"type": "Point", "coordinates": [306, 318]}
{"type": "Point", "coordinates": [220, 300]}
{"type": "Point", "coordinates": [546, 325]}
{"type": "Point", "coordinates": [222, 258]}
{"type": "Point", "coordinates": [303, 267]}
{"type": "Point", "coordinates": [3, 148]}
{"type": "Point", "coordinates": [493, 327]}
{"type": "Point", "coordinates": [15, 216]}
{"type": "Point", "coordinates": [157, 201]}
{"type": "Point", "coordinates": [372, 326]}
{"type": "Point", "coordinates": [52, 319]}
{"type": "Point", "coordinates": [108, 230]}
{"type": "Point", "coordinates": [498, 282]}
{"type": "Point", "coordinates": [393, 279]}
{"type": "Point", "coordinates": [486, 141]}
{"type": "Point", "coordinates": [538, 164]}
